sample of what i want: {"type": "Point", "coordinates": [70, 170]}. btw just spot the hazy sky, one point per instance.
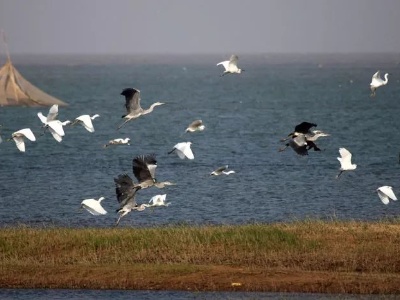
{"type": "Point", "coordinates": [200, 26]}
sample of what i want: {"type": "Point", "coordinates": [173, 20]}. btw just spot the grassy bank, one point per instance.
{"type": "Point", "coordinates": [312, 256]}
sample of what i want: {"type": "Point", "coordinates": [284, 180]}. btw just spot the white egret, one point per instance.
{"type": "Point", "coordinates": [132, 105]}
{"type": "Point", "coordinates": [222, 170]}
{"type": "Point", "coordinates": [119, 141]}
{"type": "Point", "coordinates": [345, 161]}
{"type": "Point", "coordinates": [377, 81]}
{"type": "Point", "coordinates": [144, 167]}
{"type": "Point", "coordinates": [86, 121]}
{"type": "Point", "coordinates": [196, 125]}
{"type": "Point", "coordinates": [158, 200]}
{"type": "Point", "coordinates": [230, 65]}
{"type": "Point", "coordinates": [55, 126]}
{"type": "Point", "coordinates": [385, 193]}
{"type": "Point", "coordinates": [183, 150]}
{"type": "Point", "coordinates": [93, 206]}
{"type": "Point", "coordinates": [126, 193]}
{"type": "Point", "coordinates": [19, 136]}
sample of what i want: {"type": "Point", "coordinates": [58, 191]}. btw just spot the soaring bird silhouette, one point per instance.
{"type": "Point", "coordinates": [132, 105]}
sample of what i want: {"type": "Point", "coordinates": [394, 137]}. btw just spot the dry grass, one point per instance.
{"type": "Point", "coordinates": [349, 255]}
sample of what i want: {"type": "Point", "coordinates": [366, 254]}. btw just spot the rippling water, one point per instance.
{"type": "Point", "coordinates": [245, 116]}
{"type": "Point", "coordinates": [162, 295]}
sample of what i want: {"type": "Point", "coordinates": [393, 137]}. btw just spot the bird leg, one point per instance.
{"type": "Point", "coordinates": [171, 151]}
{"type": "Point", "coordinates": [338, 175]}
{"type": "Point", "coordinates": [122, 124]}
{"type": "Point", "coordinates": [313, 146]}
{"type": "Point", "coordinates": [283, 148]}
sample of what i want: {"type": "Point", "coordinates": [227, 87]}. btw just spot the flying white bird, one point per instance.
{"type": "Point", "coordinates": [19, 136]}
{"type": "Point", "coordinates": [222, 170]}
{"type": "Point", "coordinates": [230, 65]}
{"type": "Point", "coordinates": [196, 125]}
{"type": "Point", "coordinates": [385, 193]}
{"type": "Point", "coordinates": [345, 161]}
{"type": "Point", "coordinates": [183, 150]}
{"type": "Point", "coordinates": [120, 141]}
{"type": "Point", "coordinates": [377, 81]}
{"type": "Point", "coordinates": [94, 206]}
{"type": "Point", "coordinates": [55, 126]}
{"type": "Point", "coordinates": [132, 105]}
{"type": "Point", "coordinates": [158, 200]}
{"type": "Point", "coordinates": [86, 121]}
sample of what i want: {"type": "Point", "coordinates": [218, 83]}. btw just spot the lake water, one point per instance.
{"type": "Point", "coordinates": [245, 117]}
{"type": "Point", "coordinates": [33, 294]}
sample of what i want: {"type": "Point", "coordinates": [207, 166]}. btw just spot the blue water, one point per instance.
{"type": "Point", "coordinates": [6, 294]}
{"type": "Point", "coordinates": [245, 116]}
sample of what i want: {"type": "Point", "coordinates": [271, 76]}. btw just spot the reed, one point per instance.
{"type": "Point", "coordinates": [311, 247]}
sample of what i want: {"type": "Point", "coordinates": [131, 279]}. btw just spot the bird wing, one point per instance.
{"type": "Point", "coordinates": [132, 103]}
{"type": "Point", "coordinates": [124, 189]}
{"type": "Point", "coordinates": [304, 127]}
{"type": "Point", "coordinates": [55, 135]}
{"type": "Point", "coordinates": [345, 158]}
{"type": "Point", "coordinates": [196, 123]}
{"type": "Point", "coordinates": [93, 207]}
{"type": "Point", "coordinates": [53, 112]}
{"type": "Point", "coordinates": [57, 127]}
{"type": "Point", "coordinates": [388, 191]}
{"type": "Point", "coordinates": [144, 166]}
{"type": "Point", "coordinates": [42, 118]}
{"type": "Point", "coordinates": [220, 169]}
{"type": "Point", "coordinates": [19, 141]}
{"type": "Point", "coordinates": [86, 122]}
{"type": "Point", "coordinates": [377, 75]}
{"type": "Point", "coordinates": [384, 198]}
{"type": "Point", "coordinates": [225, 64]}
{"type": "Point", "coordinates": [184, 150]}
{"type": "Point", "coordinates": [27, 132]}
{"type": "Point", "coordinates": [233, 60]}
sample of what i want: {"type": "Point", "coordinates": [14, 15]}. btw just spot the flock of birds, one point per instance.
{"type": "Point", "coordinates": [301, 140]}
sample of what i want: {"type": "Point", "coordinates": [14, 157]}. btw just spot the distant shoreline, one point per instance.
{"type": "Point", "coordinates": [309, 256]}
{"type": "Point", "coordinates": [171, 58]}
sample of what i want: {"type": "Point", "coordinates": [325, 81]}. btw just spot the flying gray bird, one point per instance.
{"type": "Point", "coordinates": [222, 170]}
{"type": "Point", "coordinates": [126, 193]}
{"type": "Point", "coordinates": [144, 167]}
{"type": "Point", "coordinates": [298, 143]}
{"type": "Point", "coordinates": [196, 125]}
{"type": "Point", "coordinates": [132, 105]}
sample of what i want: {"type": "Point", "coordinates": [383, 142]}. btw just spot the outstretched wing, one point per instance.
{"type": "Point", "coordinates": [233, 60]}
{"type": "Point", "coordinates": [86, 122]}
{"type": "Point", "coordinates": [304, 127]}
{"type": "Point", "coordinates": [220, 169]}
{"type": "Point", "coordinates": [196, 124]}
{"type": "Point", "coordinates": [225, 64]}
{"type": "Point", "coordinates": [132, 100]}
{"type": "Point", "coordinates": [124, 189]}
{"type": "Point", "coordinates": [53, 112]}
{"type": "Point", "coordinates": [144, 167]}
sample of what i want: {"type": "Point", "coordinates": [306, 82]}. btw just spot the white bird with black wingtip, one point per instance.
{"type": "Point", "coordinates": [231, 65]}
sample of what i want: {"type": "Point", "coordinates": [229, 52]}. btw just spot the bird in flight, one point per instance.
{"type": "Point", "coordinates": [377, 82]}
{"type": "Point", "coordinates": [345, 161]}
{"type": "Point", "coordinates": [132, 105]}
{"type": "Point", "coordinates": [231, 65]}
